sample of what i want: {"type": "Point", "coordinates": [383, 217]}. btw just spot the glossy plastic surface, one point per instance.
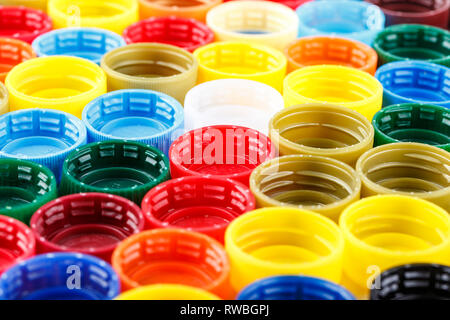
{"type": "Point", "coordinates": [319, 184]}
{"type": "Point", "coordinates": [150, 117]}
{"type": "Point", "coordinates": [185, 33]}
{"type": "Point", "coordinates": [415, 82]}
{"type": "Point", "coordinates": [289, 241]}
{"type": "Point", "coordinates": [90, 223]}
{"type": "Point", "coordinates": [23, 23]}
{"type": "Point", "coordinates": [202, 204]}
{"type": "Point", "coordinates": [17, 242]}
{"type": "Point", "coordinates": [58, 82]}
{"type": "Point", "coordinates": [410, 122]}
{"type": "Point", "coordinates": [173, 256]}
{"type": "Point", "coordinates": [155, 66]}
{"type": "Point", "coordinates": [241, 60]}
{"type": "Point", "coordinates": [88, 43]}
{"type": "Point", "coordinates": [43, 136]}
{"type": "Point", "coordinates": [333, 84]}
{"type": "Point", "coordinates": [220, 151]}
{"type": "Point", "coordinates": [46, 277]}
{"type": "Point", "coordinates": [124, 168]}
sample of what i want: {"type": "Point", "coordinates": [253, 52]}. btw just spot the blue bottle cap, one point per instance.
{"type": "Point", "coordinates": [44, 136]}
{"type": "Point", "coordinates": [294, 288]}
{"type": "Point", "coordinates": [349, 19]}
{"type": "Point", "coordinates": [145, 116]}
{"type": "Point", "coordinates": [415, 82]}
{"type": "Point", "coordinates": [60, 276]}
{"type": "Point", "coordinates": [88, 43]}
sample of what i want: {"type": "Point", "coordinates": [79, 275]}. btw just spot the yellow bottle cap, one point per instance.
{"type": "Point", "coordinates": [281, 240]}
{"type": "Point", "coordinates": [36, 4]}
{"type": "Point", "coordinates": [4, 99]}
{"type": "Point", "coordinates": [113, 15]}
{"type": "Point", "coordinates": [322, 130]}
{"type": "Point", "coordinates": [155, 66]}
{"type": "Point", "coordinates": [262, 22]}
{"type": "Point", "coordinates": [167, 292]}
{"type": "Point", "coordinates": [56, 82]}
{"type": "Point", "coordinates": [349, 87]}
{"type": "Point", "coordinates": [319, 184]}
{"type": "Point", "coordinates": [389, 230]}
{"type": "Point", "coordinates": [407, 168]}
{"type": "Point", "coordinates": [241, 60]}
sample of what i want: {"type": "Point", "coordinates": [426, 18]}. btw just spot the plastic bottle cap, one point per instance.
{"type": "Point", "coordinates": [319, 184]}
{"type": "Point", "coordinates": [43, 136]}
{"type": "Point", "coordinates": [262, 22]}
{"type": "Point", "coordinates": [434, 12]}
{"type": "Point", "coordinates": [188, 34]}
{"type": "Point", "coordinates": [294, 288]}
{"type": "Point", "coordinates": [124, 168]}
{"type": "Point", "coordinates": [202, 204]}
{"type": "Point", "coordinates": [13, 52]}
{"type": "Point", "coordinates": [167, 292]}
{"type": "Point", "coordinates": [415, 82]}
{"type": "Point", "coordinates": [155, 66]}
{"type": "Point", "coordinates": [220, 151]}
{"type": "Point", "coordinates": [317, 50]}
{"type": "Point", "coordinates": [241, 60]}
{"type": "Point", "coordinates": [322, 130]}
{"type": "Point", "coordinates": [293, 4]}
{"type": "Point", "coordinates": [415, 42]}
{"type": "Point", "coordinates": [45, 277]}
{"type": "Point", "coordinates": [411, 122]}
{"type": "Point", "coordinates": [281, 240]}
{"type": "Point", "coordinates": [23, 23]}
{"type": "Point", "coordinates": [113, 15]}
{"type": "Point", "coordinates": [173, 256]}
{"type": "Point", "coordinates": [58, 82]}
{"type": "Point", "coordinates": [413, 282]}
{"type": "Point", "coordinates": [36, 4]}
{"type": "Point", "coordinates": [90, 223]}
{"type": "Point", "coordinates": [4, 99]}
{"type": "Point", "coordinates": [407, 168]}
{"type": "Point", "coordinates": [355, 20]}
{"type": "Point", "coordinates": [88, 43]}
{"type": "Point", "coordinates": [181, 8]}
{"type": "Point", "coordinates": [146, 116]}
{"type": "Point", "coordinates": [17, 242]}
{"type": "Point", "coordinates": [231, 102]}
{"type": "Point", "coordinates": [24, 187]}
{"type": "Point", "coordinates": [340, 85]}
{"type": "Point", "coordinates": [389, 230]}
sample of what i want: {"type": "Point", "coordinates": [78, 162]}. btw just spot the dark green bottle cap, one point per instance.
{"type": "Point", "coordinates": [413, 122]}
{"type": "Point", "coordinates": [124, 168]}
{"type": "Point", "coordinates": [413, 42]}
{"type": "Point", "coordinates": [25, 187]}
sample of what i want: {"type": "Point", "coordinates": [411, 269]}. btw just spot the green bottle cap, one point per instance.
{"type": "Point", "coordinates": [24, 187]}
{"type": "Point", "coordinates": [124, 168]}
{"type": "Point", "coordinates": [413, 122]}
{"type": "Point", "coordinates": [413, 42]}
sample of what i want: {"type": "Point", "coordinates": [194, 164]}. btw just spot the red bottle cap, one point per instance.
{"type": "Point", "coordinates": [23, 23]}
{"type": "Point", "coordinates": [188, 34]}
{"type": "Point", "coordinates": [17, 242]}
{"type": "Point", "coordinates": [202, 204]}
{"type": "Point", "coordinates": [220, 151]}
{"type": "Point", "coordinates": [429, 12]}
{"type": "Point", "coordinates": [90, 223]}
